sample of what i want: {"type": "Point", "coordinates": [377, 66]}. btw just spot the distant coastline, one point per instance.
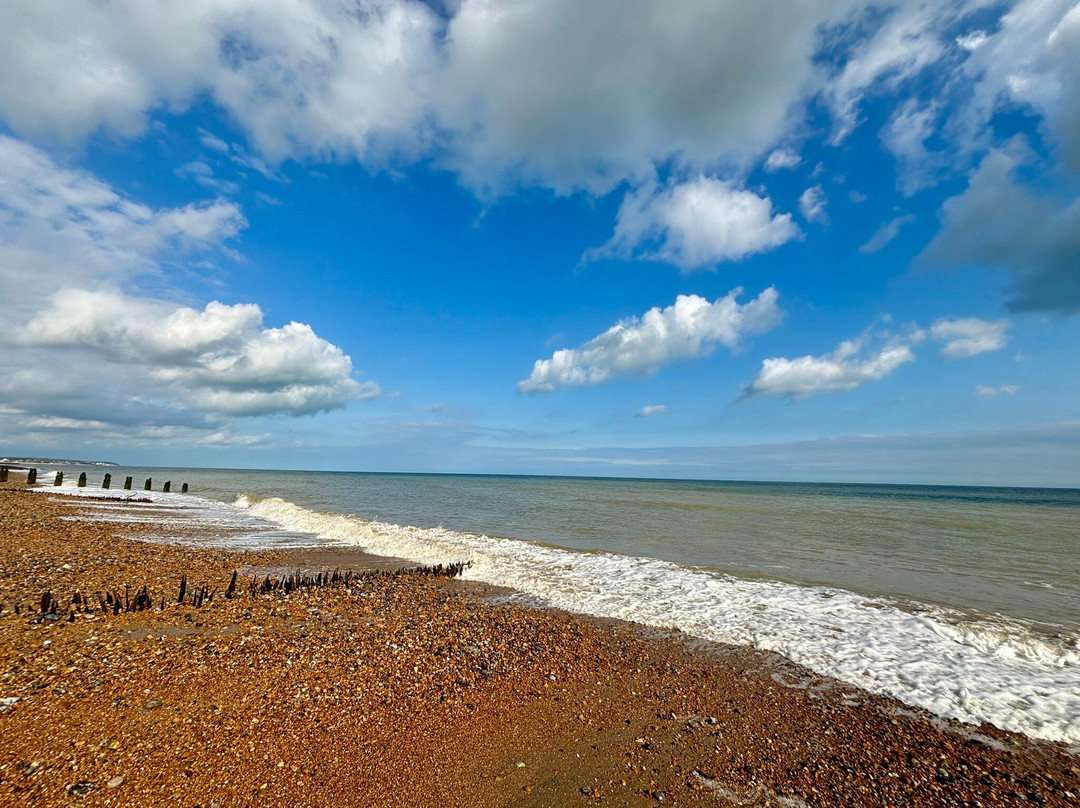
{"type": "Point", "coordinates": [13, 462]}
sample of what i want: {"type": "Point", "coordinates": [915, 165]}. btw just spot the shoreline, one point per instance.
{"type": "Point", "coordinates": [415, 690]}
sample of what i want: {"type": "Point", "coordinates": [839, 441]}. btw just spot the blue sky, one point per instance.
{"type": "Point", "coordinates": [690, 239]}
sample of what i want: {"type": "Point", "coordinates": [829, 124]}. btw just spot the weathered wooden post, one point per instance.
{"type": "Point", "coordinates": [148, 483]}
{"type": "Point", "coordinates": [107, 482]}
{"type": "Point", "coordinates": [127, 483]}
{"type": "Point", "coordinates": [31, 477]}
{"type": "Point", "coordinates": [59, 478]}
{"type": "Point", "coordinates": [167, 487]}
{"type": "Point", "coordinates": [183, 488]}
{"type": "Point", "coordinates": [3, 474]}
{"type": "Point", "coordinates": [82, 480]}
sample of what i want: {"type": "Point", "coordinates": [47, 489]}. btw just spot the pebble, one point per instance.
{"type": "Point", "coordinates": [115, 781]}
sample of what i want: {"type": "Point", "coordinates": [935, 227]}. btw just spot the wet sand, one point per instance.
{"type": "Point", "coordinates": [413, 690]}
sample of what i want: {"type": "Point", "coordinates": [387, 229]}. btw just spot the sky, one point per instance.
{"type": "Point", "coordinates": [825, 240]}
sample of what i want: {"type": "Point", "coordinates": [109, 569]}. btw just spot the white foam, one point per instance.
{"type": "Point", "coordinates": [994, 670]}
{"type": "Point", "coordinates": [174, 515]}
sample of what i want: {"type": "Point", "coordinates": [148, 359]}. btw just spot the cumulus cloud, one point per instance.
{"type": "Point", "coordinates": [300, 77]}
{"type": "Point", "coordinates": [812, 205]}
{"type": "Point", "coordinates": [585, 95]}
{"type": "Point", "coordinates": [885, 234]}
{"type": "Point", "coordinates": [984, 391]}
{"type": "Point", "coordinates": [968, 336]}
{"type": "Point", "coordinates": [998, 222]}
{"type": "Point", "coordinates": [80, 356]}
{"type": "Point", "coordinates": [218, 359]}
{"type": "Point", "coordinates": [556, 93]}
{"type": "Point", "coordinates": [651, 409]}
{"type": "Point", "coordinates": [689, 328]}
{"type": "Point", "coordinates": [696, 224]}
{"type": "Point", "coordinates": [551, 92]}
{"type": "Point", "coordinates": [849, 366]}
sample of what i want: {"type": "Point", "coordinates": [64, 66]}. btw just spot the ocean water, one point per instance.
{"type": "Point", "coordinates": [964, 601]}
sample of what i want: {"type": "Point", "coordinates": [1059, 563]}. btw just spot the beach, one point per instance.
{"type": "Point", "coordinates": [417, 689]}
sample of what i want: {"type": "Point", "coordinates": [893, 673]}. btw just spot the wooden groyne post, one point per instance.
{"type": "Point", "coordinates": [3, 474]}
{"type": "Point", "coordinates": [82, 480]}
{"type": "Point", "coordinates": [31, 477]}
{"type": "Point", "coordinates": [59, 480]}
{"type": "Point", "coordinates": [107, 482]}
{"type": "Point", "coordinates": [148, 483]}
{"type": "Point", "coordinates": [183, 488]}
{"type": "Point", "coordinates": [167, 487]}
{"type": "Point", "coordinates": [127, 483]}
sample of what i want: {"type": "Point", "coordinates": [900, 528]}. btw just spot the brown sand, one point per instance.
{"type": "Point", "coordinates": [418, 691]}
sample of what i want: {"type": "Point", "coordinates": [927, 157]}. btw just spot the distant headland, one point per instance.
{"type": "Point", "coordinates": [51, 461]}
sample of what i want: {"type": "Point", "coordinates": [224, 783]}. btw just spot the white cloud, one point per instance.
{"type": "Point", "coordinates": [584, 95]}
{"type": "Point", "coordinates": [886, 233]}
{"type": "Point", "coordinates": [1000, 223]}
{"type": "Point", "coordinates": [846, 368]}
{"type": "Point", "coordinates": [652, 409]}
{"type": "Point", "coordinates": [972, 40]}
{"type": "Point", "coordinates": [79, 354]}
{"type": "Point", "coordinates": [857, 361]}
{"type": "Point", "coordinates": [218, 359]}
{"type": "Point", "coordinates": [63, 227]}
{"type": "Point", "coordinates": [696, 224]}
{"type": "Point", "coordinates": [812, 205]}
{"type": "Point", "coordinates": [904, 40]}
{"type": "Point", "coordinates": [54, 422]}
{"type": "Point", "coordinates": [983, 391]}
{"type": "Point", "coordinates": [550, 92]}
{"type": "Point", "coordinates": [689, 328]}
{"type": "Point", "coordinates": [968, 336]}
{"type": "Point", "coordinates": [1029, 61]}
{"type": "Point", "coordinates": [203, 174]}
{"type": "Point", "coordinates": [213, 142]}
{"type": "Point", "coordinates": [905, 136]}
{"type": "Point", "coordinates": [781, 159]}
{"type": "Point", "coordinates": [300, 77]}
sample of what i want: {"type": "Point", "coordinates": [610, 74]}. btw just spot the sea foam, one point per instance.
{"type": "Point", "coordinates": [991, 670]}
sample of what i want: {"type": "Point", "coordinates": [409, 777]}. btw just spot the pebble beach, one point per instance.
{"type": "Point", "coordinates": [398, 687]}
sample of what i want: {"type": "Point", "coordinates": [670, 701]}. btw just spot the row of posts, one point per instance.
{"type": "Point", "coordinates": [31, 479]}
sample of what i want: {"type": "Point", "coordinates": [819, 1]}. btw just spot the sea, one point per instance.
{"type": "Point", "coordinates": [964, 601]}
